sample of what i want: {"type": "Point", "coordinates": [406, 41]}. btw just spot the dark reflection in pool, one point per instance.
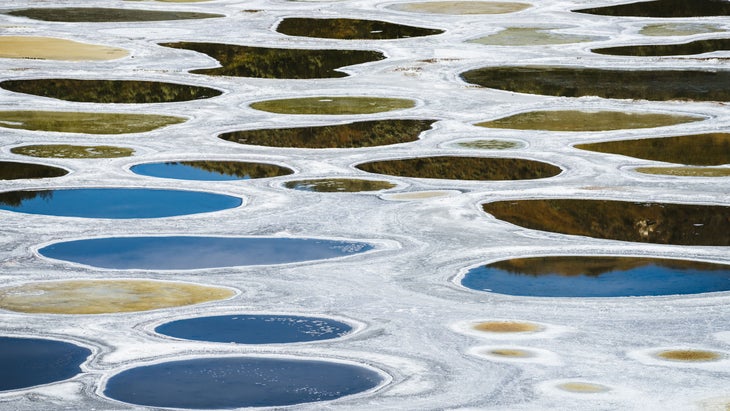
{"type": "Point", "coordinates": [255, 329]}
{"type": "Point", "coordinates": [189, 253]}
{"type": "Point", "coordinates": [696, 85]}
{"type": "Point", "coordinates": [109, 91]}
{"type": "Point", "coordinates": [694, 47]}
{"type": "Point", "coordinates": [115, 203]}
{"type": "Point", "coordinates": [598, 277]}
{"type": "Point", "coordinates": [211, 170]}
{"type": "Point", "coordinates": [660, 223]}
{"type": "Point", "coordinates": [262, 62]}
{"type": "Point", "coordinates": [233, 382]}
{"type": "Point", "coordinates": [664, 8]}
{"type": "Point", "coordinates": [11, 170]}
{"type": "Point", "coordinates": [350, 29]}
{"type": "Point", "coordinates": [350, 135]}
{"type": "Point", "coordinates": [699, 150]}
{"type": "Point", "coordinates": [25, 362]}
{"type": "Point", "coordinates": [105, 15]}
{"type": "Point", "coordinates": [339, 185]}
{"type": "Point", "coordinates": [463, 168]}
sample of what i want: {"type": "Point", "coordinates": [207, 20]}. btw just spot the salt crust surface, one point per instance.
{"type": "Point", "coordinates": [403, 295]}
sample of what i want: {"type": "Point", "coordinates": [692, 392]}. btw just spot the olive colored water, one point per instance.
{"type": "Point", "coordinates": [645, 222]}
{"type": "Point", "coordinates": [623, 84]}
{"type": "Point", "coordinates": [461, 7]}
{"type": "Point", "coordinates": [262, 62]}
{"type": "Point", "coordinates": [531, 36]}
{"type": "Point", "coordinates": [211, 170]}
{"type": "Point", "coordinates": [698, 150]}
{"type": "Point", "coordinates": [463, 168]}
{"type": "Point", "coordinates": [679, 29]}
{"type": "Point", "coordinates": [90, 123]}
{"type": "Point", "coordinates": [233, 382]}
{"type": "Point", "coordinates": [490, 144]}
{"type": "Point", "coordinates": [117, 203]}
{"type": "Point", "coordinates": [255, 329]}
{"type": "Point", "coordinates": [583, 387]}
{"type": "Point", "coordinates": [11, 170]}
{"type": "Point", "coordinates": [350, 135]}
{"type": "Point", "coordinates": [590, 276]}
{"type": "Point", "coordinates": [686, 171]}
{"type": "Point", "coordinates": [105, 15]}
{"type": "Point", "coordinates": [339, 185]}
{"type": "Point", "coordinates": [691, 48]}
{"type": "Point", "coordinates": [189, 253]}
{"type": "Point", "coordinates": [510, 352]}
{"type": "Point", "coordinates": [332, 105]}
{"type": "Point", "coordinates": [69, 151]}
{"type": "Point", "coordinates": [50, 48]}
{"type": "Point", "coordinates": [689, 355]}
{"type": "Point", "coordinates": [25, 362]}
{"type": "Point", "coordinates": [664, 8]}
{"type": "Point", "coordinates": [505, 327]}
{"type": "Point", "coordinates": [105, 296]}
{"type": "Point", "coordinates": [109, 91]}
{"type": "Point", "coordinates": [350, 29]}
{"type": "Point", "coordinates": [577, 120]}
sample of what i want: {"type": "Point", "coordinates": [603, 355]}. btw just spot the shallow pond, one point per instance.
{"type": "Point", "coordinates": [461, 7]}
{"type": "Point", "coordinates": [350, 135]}
{"type": "Point", "coordinates": [255, 329]}
{"type": "Point", "coordinates": [686, 171]}
{"type": "Point", "coordinates": [69, 151]}
{"type": "Point", "coordinates": [262, 62]}
{"type": "Point", "coordinates": [577, 120]}
{"type": "Point", "coordinates": [109, 91]}
{"type": "Point", "coordinates": [589, 276]}
{"type": "Point", "coordinates": [25, 362]}
{"type": "Point", "coordinates": [210, 170]}
{"type": "Point", "coordinates": [645, 222]}
{"type": "Point", "coordinates": [105, 15]}
{"type": "Point", "coordinates": [490, 144]}
{"type": "Point", "coordinates": [699, 85]}
{"type": "Point", "coordinates": [679, 29]}
{"type": "Point", "coordinates": [51, 48]}
{"type": "Point", "coordinates": [115, 203]}
{"type": "Point", "coordinates": [350, 29]}
{"type": "Point", "coordinates": [233, 382]}
{"type": "Point", "coordinates": [531, 36]}
{"type": "Point", "coordinates": [689, 355]}
{"type": "Point", "coordinates": [89, 123]}
{"type": "Point", "coordinates": [11, 170]}
{"type": "Point", "coordinates": [463, 168]}
{"type": "Point", "coordinates": [664, 8]}
{"type": "Point", "coordinates": [105, 296]}
{"type": "Point", "coordinates": [698, 150]}
{"type": "Point", "coordinates": [189, 253]}
{"type": "Point", "coordinates": [332, 105]}
{"type": "Point", "coordinates": [683, 49]}
{"type": "Point", "coordinates": [339, 185]}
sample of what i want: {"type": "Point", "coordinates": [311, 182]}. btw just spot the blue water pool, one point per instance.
{"type": "Point", "coordinates": [181, 252]}
{"type": "Point", "coordinates": [115, 203]}
{"type": "Point", "coordinates": [25, 362]}
{"type": "Point", "coordinates": [255, 329]}
{"type": "Point", "coordinates": [598, 277]}
{"type": "Point", "coordinates": [216, 383]}
{"type": "Point", "coordinates": [210, 170]}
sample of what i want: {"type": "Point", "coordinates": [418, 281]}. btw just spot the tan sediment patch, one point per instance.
{"type": "Point", "coordinates": [689, 355]}
{"type": "Point", "coordinates": [583, 387]}
{"type": "Point", "coordinates": [461, 7]}
{"type": "Point", "coordinates": [69, 151]}
{"type": "Point", "coordinates": [106, 296]}
{"type": "Point", "coordinates": [679, 29]}
{"type": "Point", "coordinates": [577, 120]}
{"type": "Point", "coordinates": [51, 48]}
{"type": "Point", "coordinates": [510, 352]}
{"type": "Point", "coordinates": [531, 36]}
{"type": "Point", "coordinates": [686, 171]}
{"type": "Point", "coordinates": [490, 144]}
{"type": "Point", "coordinates": [506, 327]}
{"type": "Point", "coordinates": [333, 105]}
{"type": "Point", "coordinates": [417, 195]}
